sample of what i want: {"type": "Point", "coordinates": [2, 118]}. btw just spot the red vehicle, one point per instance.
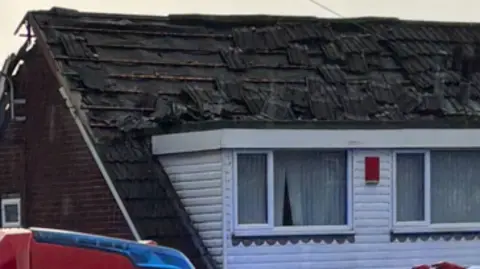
{"type": "Point", "coordinates": [38, 248]}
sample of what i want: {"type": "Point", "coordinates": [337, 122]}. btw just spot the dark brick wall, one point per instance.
{"type": "Point", "coordinates": [12, 153]}
{"type": "Point", "coordinates": [64, 187]}
{"type": "Point", "coordinates": [12, 165]}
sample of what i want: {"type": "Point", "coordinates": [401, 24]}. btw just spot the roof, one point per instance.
{"type": "Point", "coordinates": [162, 73]}
{"type": "Point", "coordinates": [157, 72]}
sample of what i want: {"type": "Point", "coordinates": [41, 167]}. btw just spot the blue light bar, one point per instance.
{"type": "Point", "coordinates": [141, 255]}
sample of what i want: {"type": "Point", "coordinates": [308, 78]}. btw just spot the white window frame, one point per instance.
{"type": "Point", "coordinates": [11, 201]}
{"type": "Point", "coordinates": [269, 227]}
{"type": "Point", "coordinates": [426, 225]}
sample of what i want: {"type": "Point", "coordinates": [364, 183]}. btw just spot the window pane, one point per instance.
{"type": "Point", "coordinates": [252, 188]}
{"type": "Point", "coordinates": [310, 188]}
{"type": "Point", "coordinates": [410, 187]}
{"type": "Point", "coordinates": [11, 213]}
{"type": "Point", "coordinates": [455, 186]}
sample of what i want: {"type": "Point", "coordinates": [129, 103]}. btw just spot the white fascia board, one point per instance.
{"type": "Point", "coordinates": [304, 139]}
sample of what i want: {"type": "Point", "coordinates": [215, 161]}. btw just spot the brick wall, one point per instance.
{"type": "Point", "coordinates": [12, 152]}
{"type": "Point", "coordinates": [12, 165]}
{"type": "Point", "coordinates": [64, 187]}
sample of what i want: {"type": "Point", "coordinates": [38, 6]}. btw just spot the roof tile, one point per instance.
{"type": "Point", "coordinates": [298, 55]}
{"type": "Point", "coordinates": [233, 59]}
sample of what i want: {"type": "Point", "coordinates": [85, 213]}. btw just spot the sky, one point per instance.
{"type": "Point", "coordinates": [11, 12]}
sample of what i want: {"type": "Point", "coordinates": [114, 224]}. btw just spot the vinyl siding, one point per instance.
{"type": "Point", "coordinates": [197, 177]}
{"type": "Point", "coordinates": [372, 247]}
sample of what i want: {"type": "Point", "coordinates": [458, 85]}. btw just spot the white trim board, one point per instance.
{"type": "Point", "coordinates": [285, 138]}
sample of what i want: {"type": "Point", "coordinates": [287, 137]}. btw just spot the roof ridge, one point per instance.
{"type": "Point", "coordinates": [253, 18]}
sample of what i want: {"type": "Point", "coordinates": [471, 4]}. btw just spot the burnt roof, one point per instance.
{"type": "Point", "coordinates": [149, 73]}
{"type": "Point", "coordinates": [138, 72]}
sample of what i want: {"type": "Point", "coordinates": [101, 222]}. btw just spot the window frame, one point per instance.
{"type": "Point", "coordinates": [11, 201]}
{"type": "Point", "coordinates": [269, 227]}
{"type": "Point", "coordinates": [426, 225]}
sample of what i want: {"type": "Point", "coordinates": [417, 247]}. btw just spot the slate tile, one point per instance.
{"type": "Point", "coordinates": [407, 99]}
{"type": "Point", "coordinates": [233, 59]}
{"type": "Point", "coordinates": [92, 76]}
{"type": "Point", "coordinates": [303, 31]}
{"type": "Point", "coordinates": [152, 209]}
{"type": "Point", "coordinates": [333, 52]}
{"type": "Point", "coordinates": [275, 37]}
{"type": "Point", "coordinates": [232, 89]}
{"type": "Point", "coordinates": [298, 96]}
{"type": "Point", "coordinates": [402, 49]}
{"type": "Point", "coordinates": [451, 77]}
{"type": "Point", "coordinates": [461, 35]}
{"type": "Point", "coordinates": [360, 105]}
{"type": "Point", "coordinates": [75, 46]}
{"type": "Point", "coordinates": [378, 62]}
{"type": "Point", "coordinates": [255, 100]}
{"type": "Point", "coordinates": [133, 188]}
{"type": "Point", "coordinates": [423, 80]}
{"type": "Point", "coordinates": [463, 94]}
{"type": "Point", "coordinates": [298, 55]}
{"type": "Point", "coordinates": [431, 102]}
{"type": "Point", "coordinates": [370, 44]}
{"type": "Point", "coordinates": [393, 77]}
{"type": "Point", "coordinates": [333, 74]}
{"type": "Point", "coordinates": [276, 109]}
{"type": "Point", "coordinates": [359, 44]}
{"type": "Point", "coordinates": [325, 100]}
{"type": "Point", "coordinates": [357, 63]}
{"type": "Point", "coordinates": [244, 38]}
{"type": "Point", "coordinates": [474, 105]}
{"type": "Point", "coordinates": [323, 109]}
{"type": "Point", "coordinates": [389, 113]}
{"type": "Point", "coordinates": [381, 92]}
{"type": "Point", "coordinates": [475, 31]}
{"type": "Point", "coordinates": [315, 83]}
{"type": "Point", "coordinates": [401, 33]}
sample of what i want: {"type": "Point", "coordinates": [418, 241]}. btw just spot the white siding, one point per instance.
{"type": "Point", "coordinates": [372, 247]}
{"type": "Point", "coordinates": [197, 177]}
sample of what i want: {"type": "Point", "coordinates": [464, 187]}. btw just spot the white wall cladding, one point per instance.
{"type": "Point", "coordinates": [197, 177]}
{"type": "Point", "coordinates": [372, 248]}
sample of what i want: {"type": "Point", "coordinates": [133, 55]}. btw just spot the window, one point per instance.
{"type": "Point", "coordinates": [11, 213]}
{"type": "Point", "coordinates": [292, 191]}
{"type": "Point", "coordinates": [437, 189]}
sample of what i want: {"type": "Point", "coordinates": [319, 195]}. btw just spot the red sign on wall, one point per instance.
{"type": "Point", "coordinates": [372, 170]}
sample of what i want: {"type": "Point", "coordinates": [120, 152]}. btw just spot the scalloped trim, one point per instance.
{"type": "Point", "coordinates": [283, 240]}
{"type": "Point", "coordinates": [434, 236]}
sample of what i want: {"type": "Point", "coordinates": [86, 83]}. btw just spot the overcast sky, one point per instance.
{"type": "Point", "coordinates": [12, 11]}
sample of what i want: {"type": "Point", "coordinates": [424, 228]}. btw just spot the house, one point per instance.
{"type": "Point", "coordinates": [248, 141]}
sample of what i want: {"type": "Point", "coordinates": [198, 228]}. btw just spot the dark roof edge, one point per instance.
{"type": "Point", "coordinates": [254, 18]}
{"type": "Point", "coordinates": [461, 122]}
